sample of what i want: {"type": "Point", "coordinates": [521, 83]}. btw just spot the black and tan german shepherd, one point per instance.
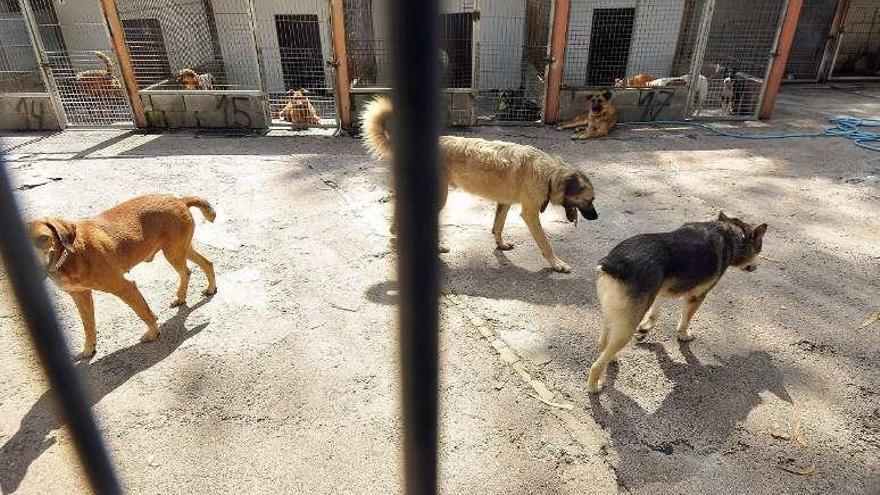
{"type": "Point", "coordinates": [684, 263]}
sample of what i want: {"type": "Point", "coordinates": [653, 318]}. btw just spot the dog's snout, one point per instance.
{"type": "Point", "coordinates": [750, 268]}
{"type": "Point", "coordinates": [589, 212]}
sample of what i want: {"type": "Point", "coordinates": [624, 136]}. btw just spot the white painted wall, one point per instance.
{"type": "Point", "coordinates": [655, 36]}
{"type": "Point", "coordinates": [237, 43]}
{"type": "Point", "coordinates": [18, 52]}
{"type": "Point", "coordinates": [267, 36]}
{"type": "Point", "coordinates": [84, 30]}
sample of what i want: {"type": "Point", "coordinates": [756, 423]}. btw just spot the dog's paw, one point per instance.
{"type": "Point", "coordinates": [504, 246]}
{"type": "Point", "coordinates": [210, 291]}
{"type": "Point", "coordinates": [442, 248]}
{"type": "Point", "coordinates": [560, 266]}
{"type": "Point", "coordinates": [85, 355]}
{"type": "Point", "coordinates": [594, 388]}
{"type": "Point", "coordinates": [150, 336]}
{"type": "Point", "coordinates": [685, 336]}
{"type": "Point", "coordinates": [177, 302]}
{"type": "Point", "coordinates": [641, 334]}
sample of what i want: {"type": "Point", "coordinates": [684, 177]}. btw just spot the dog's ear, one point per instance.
{"type": "Point", "coordinates": [64, 231]}
{"type": "Point", "coordinates": [572, 185]}
{"type": "Point", "coordinates": [759, 232]}
{"type": "Point", "coordinates": [607, 95]}
{"type": "Point", "coordinates": [722, 217]}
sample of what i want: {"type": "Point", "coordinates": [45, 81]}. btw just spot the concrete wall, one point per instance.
{"type": "Point", "coordinates": [28, 112]}
{"type": "Point", "coordinates": [633, 105]}
{"type": "Point", "coordinates": [223, 110]}
{"type": "Point", "coordinates": [652, 49]}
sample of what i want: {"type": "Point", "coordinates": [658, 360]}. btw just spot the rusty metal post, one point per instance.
{"type": "Point", "coordinates": [117, 36]}
{"type": "Point", "coordinates": [558, 42]}
{"type": "Point", "coordinates": [780, 58]}
{"type": "Point", "coordinates": [340, 56]}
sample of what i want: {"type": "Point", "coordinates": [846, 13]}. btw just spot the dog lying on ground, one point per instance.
{"type": "Point", "coordinates": [99, 82]}
{"type": "Point", "coordinates": [684, 263]}
{"type": "Point", "coordinates": [506, 173]}
{"type": "Point", "coordinates": [299, 110]}
{"type": "Point", "coordinates": [191, 80]}
{"type": "Point", "coordinates": [96, 253]}
{"type": "Point", "coordinates": [700, 93]}
{"type": "Point", "coordinates": [597, 121]}
{"type": "Point", "coordinates": [636, 81]}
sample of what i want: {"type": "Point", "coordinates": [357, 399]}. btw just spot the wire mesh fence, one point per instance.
{"type": "Point", "coordinates": [858, 51]}
{"type": "Point", "coordinates": [191, 44]}
{"type": "Point", "coordinates": [739, 48]}
{"type": "Point", "coordinates": [295, 43]}
{"type": "Point", "coordinates": [85, 72]}
{"type": "Point", "coordinates": [19, 67]}
{"type": "Point", "coordinates": [810, 40]}
{"type": "Point", "coordinates": [512, 59]}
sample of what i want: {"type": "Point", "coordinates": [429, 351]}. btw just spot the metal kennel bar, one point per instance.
{"type": "Point", "coordinates": [45, 332]}
{"type": "Point", "coordinates": [416, 180]}
{"type": "Point", "coordinates": [295, 43]}
{"type": "Point", "coordinates": [857, 54]}
{"type": "Point", "coordinates": [75, 42]}
{"type": "Point", "coordinates": [19, 66]}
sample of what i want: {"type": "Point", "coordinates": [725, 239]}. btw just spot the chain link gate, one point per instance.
{"type": "Point", "coordinates": [73, 39]}
{"type": "Point", "coordinates": [294, 39]}
{"type": "Point", "coordinates": [858, 49]}
{"type": "Point", "coordinates": [808, 49]}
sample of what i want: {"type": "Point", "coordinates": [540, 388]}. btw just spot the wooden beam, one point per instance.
{"type": "Point", "coordinates": [558, 41]}
{"type": "Point", "coordinates": [117, 36]}
{"type": "Point", "coordinates": [780, 60]}
{"type": "Point", "coordinates": [834, 33]}
{"type": "Point", "coordinates": [340, 54]}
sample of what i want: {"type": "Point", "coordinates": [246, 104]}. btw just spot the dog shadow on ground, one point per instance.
{"type": "Point", "coordinates": [99, 378]}
{"type": "Point", "coordinates": [504, 282]}
{"type": "Point", "coordinates": [697, 417]}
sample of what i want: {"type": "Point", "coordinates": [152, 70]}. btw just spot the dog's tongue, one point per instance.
{"type": "Point", "coordinates": [571, 214]}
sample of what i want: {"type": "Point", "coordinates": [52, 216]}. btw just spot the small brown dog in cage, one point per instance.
{"type": "Point", "coordinates": [191, 80]}
{"type": "Point", "coordinates": [96, 253]}
{"type": "Point", "coordinates": [299, 109]}
{"type": "Point", "coordinates": [636, 81]}
{"type": "Point", "coordinates": [597, 121]}
{"type": "Point", "coordinates": [507, 173]}
{"type": "Point", "coordinates": [99, 82]}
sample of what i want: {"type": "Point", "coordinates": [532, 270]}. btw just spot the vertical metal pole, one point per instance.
{"type": "Point", "coordinates": [258, 56]}
{"type": "Point", "coordinates": [829, 57]}
{"type": "Point", "coordinates": [39, 315]}
{"type": "Point", "coordinates": [340, 63]}
{"type": "Point", "coordinates": [784, 40]}
{"type": "Point", "coordinates": [45, 69]}
{"type": "Point", "coordinates": [414, 28]}
{"type": "Point", "coordinates": [117, 36]}
{"type": "Point", "coordinates": [558, 42]}
{"type": "Point", "coordinates": [699, 54]}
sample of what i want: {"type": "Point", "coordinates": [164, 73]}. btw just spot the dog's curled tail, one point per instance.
{"type": "Point", "coordinates": [201, 204]}
{"type": "Point", "coordinates": [374, 125]}
{"type": "Point", "coordinates": [109, 63]}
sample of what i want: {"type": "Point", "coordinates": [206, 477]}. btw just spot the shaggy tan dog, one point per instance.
{"type": "Point", "coordinates": [506, 173]}
{"type": "Point", "coordinates": [191, 80]}
{"type": "Point", "coordinates": [96, 253]}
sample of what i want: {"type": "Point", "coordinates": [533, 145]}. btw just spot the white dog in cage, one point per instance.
{"type": "Point", "coordinates": [702, 89]}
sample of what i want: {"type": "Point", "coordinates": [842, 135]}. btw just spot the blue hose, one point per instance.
{"type": "Point", "coordinates": [846, 127]}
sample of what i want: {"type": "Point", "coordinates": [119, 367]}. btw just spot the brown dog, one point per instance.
{"type": "Point", "coordinates": [636, 81]}
{"type": "Point", "coordinates": [96, 253]}
{"type": "Point", "coordinates": [99, 82]}
{"type": "Point", "coordinates": [597, 121]}
{"type": "Point", "coordinates": [299, 110]}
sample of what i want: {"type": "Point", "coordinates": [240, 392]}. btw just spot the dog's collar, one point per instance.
{"type": "Point", "coordinates": [60, 261]}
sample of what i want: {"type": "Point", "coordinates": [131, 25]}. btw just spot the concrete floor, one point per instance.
{"type": "Point", "coordinates": [285, 382]}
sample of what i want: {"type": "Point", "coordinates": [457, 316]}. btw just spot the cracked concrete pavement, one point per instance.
{"type": "Point", "coordinates": [285, 382]}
